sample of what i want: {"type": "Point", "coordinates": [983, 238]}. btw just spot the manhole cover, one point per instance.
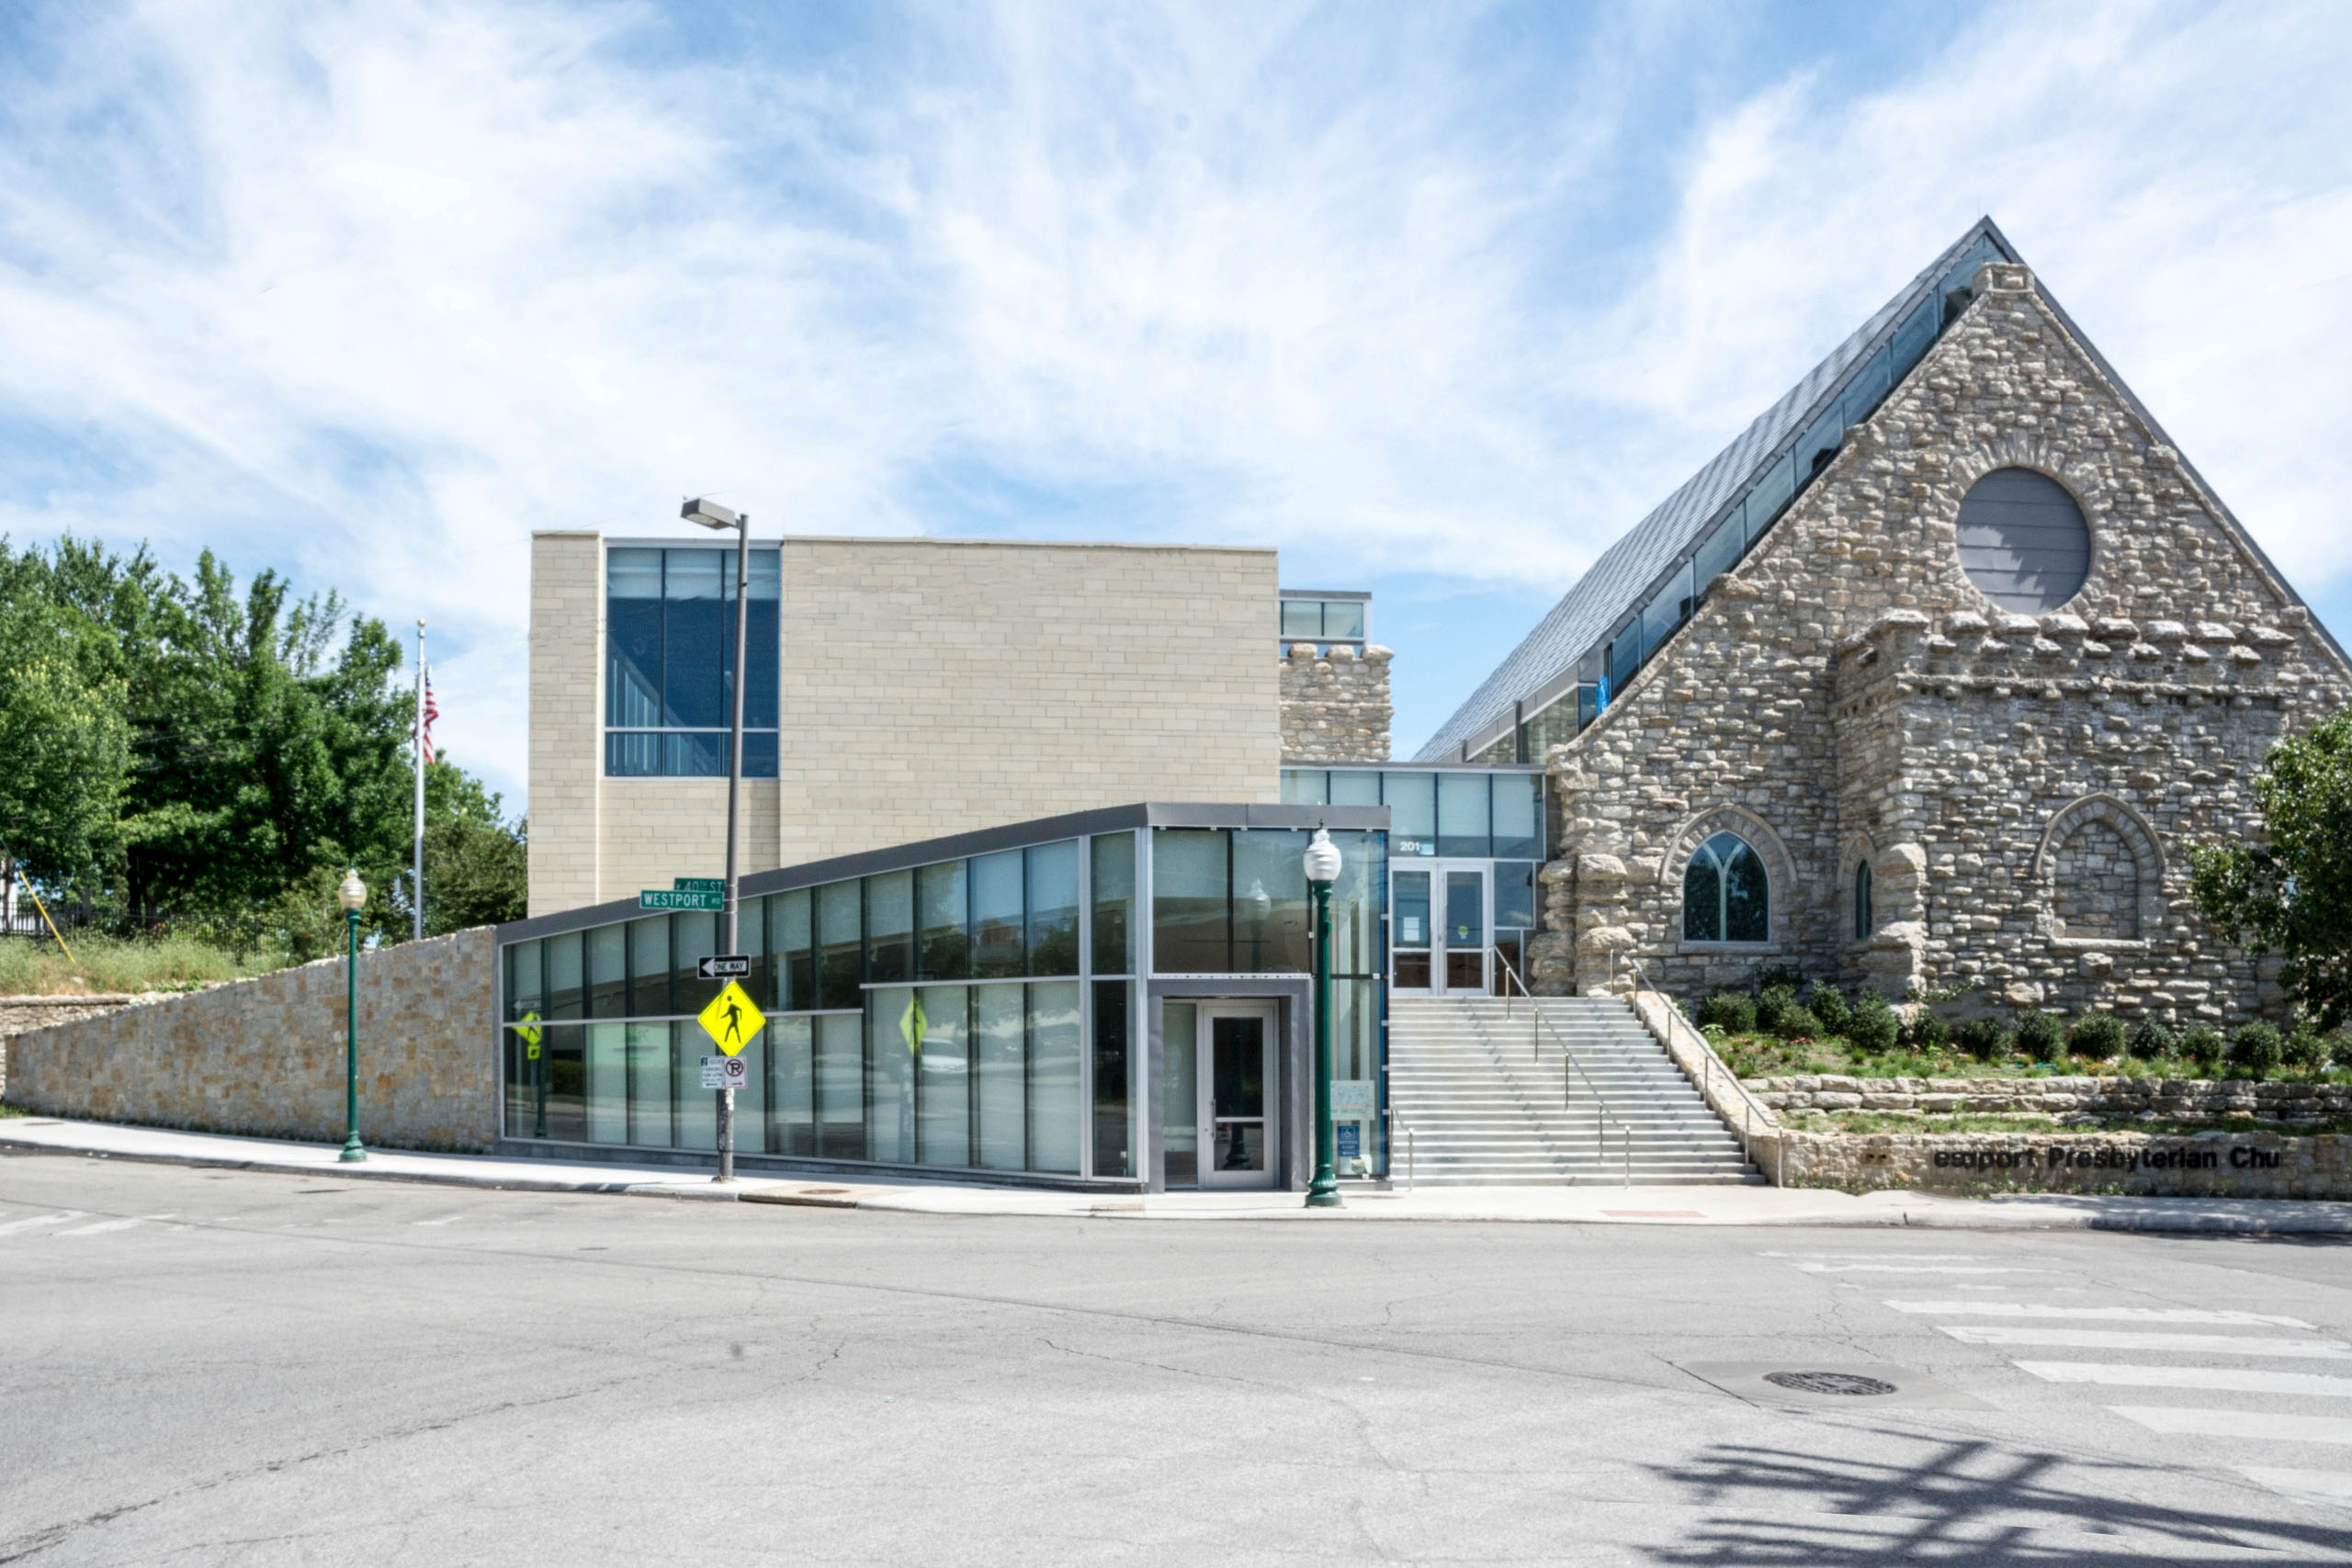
{"type": "Point", "coordinates": [1829, 1383]}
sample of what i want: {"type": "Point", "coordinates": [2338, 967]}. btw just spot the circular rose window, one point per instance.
{"type": "Point", "coordinates": [2023, 541]}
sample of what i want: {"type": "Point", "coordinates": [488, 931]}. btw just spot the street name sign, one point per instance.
{"type": "Point", "coordinates": [731, 1020]}
{"type": "Point", "coordinates": [723, 967]}
{"type": "Point", "coordinates": [698, 883]}
{"type": "Point", "coordinates": [671, 898]}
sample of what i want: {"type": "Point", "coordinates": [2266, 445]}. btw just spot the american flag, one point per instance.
{"type": "Point", "coordinates": [432, 712]}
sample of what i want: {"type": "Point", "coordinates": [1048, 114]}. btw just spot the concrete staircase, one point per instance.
{"type": "Point", "coordinates": [1484, 1109]}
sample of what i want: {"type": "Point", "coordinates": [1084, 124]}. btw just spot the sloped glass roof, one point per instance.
{"type": "Point", "coordinates": [1763, 461]}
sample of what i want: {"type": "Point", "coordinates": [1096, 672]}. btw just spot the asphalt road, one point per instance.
{"type": "Point", "coordinates": [209, 1367]}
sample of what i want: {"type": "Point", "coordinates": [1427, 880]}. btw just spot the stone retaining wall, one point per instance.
{"type": "Point", "coordinates": [2203, 1165]}
{"type": "Point", "coordinates": [20, 1013]}
{"type": "Point", "coordinates": [265, 1057]}
{"type": "Point", "coordinates": [2059, 1096]}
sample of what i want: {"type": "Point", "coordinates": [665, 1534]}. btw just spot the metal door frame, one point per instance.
{"type": "Point", "coordinates": [1269, 1013]}
{"type": "Point", "coordinates": [1436, 869]}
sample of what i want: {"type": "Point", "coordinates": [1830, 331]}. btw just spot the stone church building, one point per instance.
{"type": "Point", "coordinates": [1931, 679]}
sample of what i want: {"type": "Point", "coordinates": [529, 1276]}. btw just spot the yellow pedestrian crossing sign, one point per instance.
{"type": "Point", "coordinates": [731, 1020]}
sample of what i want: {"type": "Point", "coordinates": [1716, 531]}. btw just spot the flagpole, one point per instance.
{"type": "Point", "coordinates": [416, 873]}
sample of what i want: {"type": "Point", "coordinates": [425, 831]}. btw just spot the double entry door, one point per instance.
{"type": "Point", "coordinates": [1222, 1113]}
{"type": "Point", "coordinates": [1439, 935]}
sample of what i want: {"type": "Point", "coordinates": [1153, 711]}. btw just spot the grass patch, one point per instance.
{"type": "Point", "coordinates": [37, 968]}
{"type": "Point", "coordinates": [8, 1110]}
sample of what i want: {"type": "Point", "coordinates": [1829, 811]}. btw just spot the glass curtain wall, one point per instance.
{"type": "Point", "coordinates": [670, 681]}
{"type": "Point", "coordinates": [944, 1015]}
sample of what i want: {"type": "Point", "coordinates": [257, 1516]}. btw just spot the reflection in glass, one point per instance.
{"type": "Point", "coordinates": [1181, 1120]}
{"type": "Point", "coordinates": [1360, 787]}
{"type": "Point", "coordinates": [841, 1087]}
{"type": "Point", "coordinates": [693, 936]}
{"type": "Point", "coordinates": [792, 1107]}
{"type": "Point", "coordinates": [1461, 819]}
{"type": "Point", "coordinates": [840, 965]}
{"type": "Point", "coordinates": [996, 916]}
{"type": "Point", "coordinates": [1514, 894]}
{"type": "Point", "coordinates": [607, 1082]}
{"type": "Point", "coordinates": [1238, 1092]}
{"type": "Point", "coordinates": [1270, 928]}
{"type": "Point", "coordinates": [890, 927]}
{"type": "Point", "coordinates": [1725, 896]}
{"type": "Point", "coordinates": [1412, 812]}
{"type": "Point", "coordinates": [1052, 872]}
{"type": "Point", "coordinates": [897, 1025]}
{"type": "Point", "coordinates": [1190, 933]}
{"type": "Point", "coordinates": [563, 976]}
{"type": "Point", "coordinates": [943, 1069]}
{"type": "Point", "coordinates": [563, 1099]}
{"type": "Point", "coordinates": [796, 943]}
{"type": "Point", "coordinates": [607, 971]}
{"type": "Point", "coordinates": [523, 990]}
{"type": "Point", "coordinates": [1113, 1148]}
{"type": "Point", "coordinates": [939, 905]}
{"type": "Point", "coordinates": [1001, 1044]}
{"type": "Point", "coordinates": [1413, 931]}
{"type": "Point", "coordinates": [1518, 817]}
{"type": "Point", "coordinates": [1303, 787]}
{"type": "Point", "coordinates": [651, 1123]}
{"type": "Point", "coordinates": [1113, 877]}
{"type": "Point", "coordinates": [1343, 617]}
{"type": "Point", "coordinates": [649, 966]}
{"type": "Point", "coordinates": [695, 1107]}
{"type": "Point", "coordinates": [1055, 1112]}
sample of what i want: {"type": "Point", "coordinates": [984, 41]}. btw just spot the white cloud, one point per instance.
{"type": "Point", "coordinates": [372, 290]}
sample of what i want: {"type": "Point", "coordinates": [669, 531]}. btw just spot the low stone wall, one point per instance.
{"type": "Point", "coordinates": [265, 1057]}
{"type": "Point", "coordinates": [2202, 1164]}
{"type": "Point", "coordinates": [2085, 1097]}
{"type": "Point", "coordinates": [20, 1013]}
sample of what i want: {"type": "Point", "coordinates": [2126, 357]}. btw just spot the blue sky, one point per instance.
{"type": "Point", "coordinates": [1439, 301]}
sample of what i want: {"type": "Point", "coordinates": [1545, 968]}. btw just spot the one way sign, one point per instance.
{"type": "Point", "coordinates": [723, 967]}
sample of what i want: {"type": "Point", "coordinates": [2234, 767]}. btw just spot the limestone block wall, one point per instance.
{"type": "Point", "coordinates": [1335, 706]}
{"type": "Point", "coordinates": [20, 1013]}
{"type": "Point", "coordinates": [567, 762]}
{"type": "Point", "coordinates": [2203, 1165]}
{"type": "Point", "coordinates": [265, 1057]}
{"type": "Point", "coordinates": [2180, 1098]}
{"type": "Point", "coordinates": [1953, 747]}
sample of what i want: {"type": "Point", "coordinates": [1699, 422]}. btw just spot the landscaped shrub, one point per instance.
{"type": "Point", "coordinates": [1798, 1023]}
{"type": "Point", "coordinates": [2256, 1049]}
{"type": "Point", "coordinates": [1772, 1004]}
{"type": "Point", "coordinates": [1872, 1026]}
{"type": "Point", "coordinates": [1828, 1005]}
{"type": "Point", "coordinates": [1926, 1030]}
{"type": "Point", "coordinates": [1733, 1012]}
{"type": "Point", "coordinates": [2041, 1037]}
{"type": "Point", "coordinates": [2098, 1037]}
{"type": "Point", "coordinates": [1981, 1038]}
{"type": "Point", "coordinates": [2203, 1044]}
{"type": "Point", "coordinates": [2307, 1049]}
{"type": "Point", "coordinates": [2152, 1040]}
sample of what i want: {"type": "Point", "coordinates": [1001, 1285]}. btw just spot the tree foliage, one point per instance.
{"type": "Point", "coordinates": [183, 747]}
{"type": "Point", "coordinates": [2291, 892]}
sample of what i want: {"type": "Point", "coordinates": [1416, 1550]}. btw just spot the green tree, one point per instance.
{"type": "Point", "coordinates": [64, 738]}
{"type": "Point", "coordinates": [476, 863]}
{"type": "Point", "coordinates": [2292, 893]}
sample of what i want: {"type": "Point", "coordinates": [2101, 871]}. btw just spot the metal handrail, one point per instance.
{"type": "Point", "coordinates": [1599, 1101]}
{"type": "Point", "coordinates": [1747, 1105]}
{"type": "Point", "coordinates": [1509, 1007]}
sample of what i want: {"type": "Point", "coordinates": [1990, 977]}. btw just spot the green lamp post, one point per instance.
{"type": "Point", "coordinates": [353, 894]}
{"type": "Point", "coordinates": [1322, 870]}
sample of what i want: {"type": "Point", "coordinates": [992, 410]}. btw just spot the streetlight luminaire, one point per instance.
{"type": "Point", "coordinates": [352, 893]}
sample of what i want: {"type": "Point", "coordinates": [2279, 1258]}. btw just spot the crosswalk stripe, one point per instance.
{"type": "Point", "coordinates": [1911, 1268]}
{"type": "Point", "coordinates": [30, 1221]}
{"type": "Point", "coordinates": [2231, 1379]}
{"type": "Point", "coordinates": [2121, 1339]}
{"type": "Point", "coordinates": [105, 1226]}
{"type": "Point", "coordinates": [2240, 1426]}
{"type": "Point", "coordinates": [2303, 1485]}
{"type": "Point", "coordinates": [2100, 1315]}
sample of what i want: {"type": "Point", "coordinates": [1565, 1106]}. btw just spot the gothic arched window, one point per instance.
{"type": "Point", "coordinates": [1725, 895]}
{"type": "Point", "coordinates": [1861, 899]}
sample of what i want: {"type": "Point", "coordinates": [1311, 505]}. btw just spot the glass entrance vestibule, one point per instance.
{"type": "Point", "coordinates": [1465, 847]}
{"type": "Point", "coordinates": [992, 1003]}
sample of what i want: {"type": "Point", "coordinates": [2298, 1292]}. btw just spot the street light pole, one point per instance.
{"type": "Point", "coordinates": [710, 514]}
{"type": "Point", "coordinates": [1322, 861]}
{"type": "Point", "coordinates": [351, 893]}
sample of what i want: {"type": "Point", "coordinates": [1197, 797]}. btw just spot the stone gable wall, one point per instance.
{"type": "Point", "coordinates": [1848, 695]}
{"type": "Point", "coordinates": [265, 1057]}
{"type": "Point", "coordinates": [1335, 705]}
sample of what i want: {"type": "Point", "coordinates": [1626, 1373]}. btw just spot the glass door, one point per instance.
{"type": "Point", "coordinates": [1411, 934]}
{"type": "Point", "coordinates": [1236, 1095]}
{"type": "Point", "coordinates": [1463, 938]}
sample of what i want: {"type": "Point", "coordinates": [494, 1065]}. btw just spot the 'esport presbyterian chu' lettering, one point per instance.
{"type": "Point", "coordinates": [2058, 1156]}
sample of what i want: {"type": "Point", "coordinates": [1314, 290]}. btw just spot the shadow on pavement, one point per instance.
{"type": "Point", "coordinates": [1967, 1502]}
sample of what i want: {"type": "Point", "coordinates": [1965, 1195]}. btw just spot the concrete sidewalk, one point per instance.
{"type": "Point", "coordinates": [1529, 1205]}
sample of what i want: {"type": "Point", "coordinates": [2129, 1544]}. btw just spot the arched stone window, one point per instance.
{"type": "Point", "coordinates": [1726, 896]}
{"type": "Point", "coordinates": [1863, 921]}
{"type": "Point", "coordinates": [2095, 885]}
{"type": "Point", "coordinates": [2102, 873]}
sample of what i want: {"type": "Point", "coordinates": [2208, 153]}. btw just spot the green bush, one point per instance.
{"type": "Point", "coordinates": [1772, 1003]}
{"type": "Point", "coordinates": [1828, 1005]}
{"type": "Point", "coordinates": [1926, 1030]}
{"type": "Point", "coordinates": [1981, 1038]}
{"type": "Point", "coordinates": [2041, 1037]}
{"type": "Point", "coordinates": [1733, 1012]}
{"type": "Point", "coordinates": [2203, 1044]}
{"type": "Point", "coordinates": [1798, 1023]}
{"type": "Point", "coordinates": [2256, 1050]}
{"type": "Point", "coordinates": [2306, 1049]}
{"type": "Point", "coordinates": [2098, 1037]}
{"type": "Point", "coordinates": [1873, 1027]}
{"type": "Point", "coordinates": [2152, 1040]}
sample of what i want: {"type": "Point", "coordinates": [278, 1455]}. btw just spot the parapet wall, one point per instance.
{"type": "Point", "coordinates": [265, 1057]}
{"type": "Point", "coordinates": [1335, 704]}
